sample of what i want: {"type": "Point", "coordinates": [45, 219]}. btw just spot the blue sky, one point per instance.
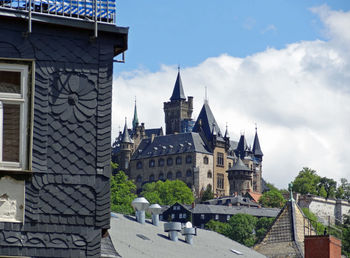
{"type": "Point", "coordinates": [284, 65]}
{"type": "Point", "coordinates": [186, 32]}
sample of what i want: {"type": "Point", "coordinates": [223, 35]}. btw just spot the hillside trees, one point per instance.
{"type": "Point", "coordinates": [168, 192]}
{"type": "Point", "coordinates": [272, 199]}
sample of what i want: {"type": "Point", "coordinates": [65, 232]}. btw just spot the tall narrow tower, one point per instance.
{"type": "Point", "coordinates": [126, 145]}
{"type": "Point", "coordinates": [178, 111]}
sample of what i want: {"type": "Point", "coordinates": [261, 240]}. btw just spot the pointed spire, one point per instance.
{"type": "Point", "coordinates": [126, 138]}
{"type": "Point", "coordinates": [135, 120]}
{"type": "Point", "coordinates": [256, 145]}
{"type": "Point", "coordinates": [226, 132]}
{"type": "Point", "coordinates": [239, 166]}
{"type": "Point", "coordinates": [178, 92]}
{"type": "Point", "coordinates": [242, 146]}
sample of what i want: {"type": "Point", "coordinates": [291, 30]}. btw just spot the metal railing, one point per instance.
{"type": "Point", "coordinates": [102, 11]}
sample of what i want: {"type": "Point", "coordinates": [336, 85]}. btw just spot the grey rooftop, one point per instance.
{"type": "Point", "coordinates": [132, 239]}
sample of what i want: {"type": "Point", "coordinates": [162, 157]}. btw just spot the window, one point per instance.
{"type": "Point", "coordinates": [205, 160]}
{"type": "Point", "coordinates": [229, 165]}
{"type": "Point", "coordinates": [180, 216]}
{"type": "Point", "coordinates": [220, 181]}
{"type": "Point", "coordinates": [169, 161]}
{"type": "Point", "coordinates": [169, 175]}
{"type": "Point", "coordinates": [202, 216]}
{"type": "Point", "coordinates": [152, 163]}
{"type": "Point", "coordinates": [139, 165]}
{"type": "Point", "coordinates": [209, 174]}
{"type": "Point", "coordinates": [178, 174]}
{"type": "Point", "coordinates": [151, 177]}
{"type": "Point", "coordinates": [228, 217]}
{"type": "Point", "coordinates": [178, 160]}
{"type": "Point", "coordinates": [161, 176]}
{"type": "Point", "coordinates": [172, 215]}
{"type": "Point", "coordinates": [139, 179]}
{"type": "Point", "coordinates": [184, 215]}
{"type": "Point", "coordinates": [189, 173]}
{"type": "Point", "coordinates": [220, 159]}
{"type": "Point", "coordinates": [13, 116]}
{"type": "Point", "coordinates": [160, 162]}
{"type": "Point", "coordinates": [216, 216]}
{"type": "Point", "coordinates": [188, 159]}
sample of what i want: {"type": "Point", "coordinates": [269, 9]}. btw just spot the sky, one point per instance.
{"type": "Point", "coordinates": [282, 65]}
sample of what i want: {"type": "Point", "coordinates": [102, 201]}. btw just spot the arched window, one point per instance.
{"type": "Point", "coordinates": [188, 159]}
{"type": "Point", "coordinates": [189, 172]}
{"type": "Point", "coordinates": [169, 175]}
{"type": "Point", "coordinates": [160, 162]}
{"type": "Point", "coordinates": [209, 174]}
{"type": "Point", "coordinates": [151, 178]}
{"type": "Point", "coordinates": [169, 161]}
{"type": "Point", "coordinates": [139, 179]}
{"type": "Point", "coordinates": [178, 160]}
{"type": "Point", "coordinates": [178, 174]}
{"type": "Point", "coordinates": [139, 165]}
{"type": "Point", "coordinates": [205, 160]}
{"type": "Point", "coordinates": [161, 176]}
{"type": "Point", "coordinates": [152, 163]}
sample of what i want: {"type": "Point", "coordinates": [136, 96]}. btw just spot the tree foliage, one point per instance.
{"type": "Point", "coordinates": [122, 193]}
{"type": "Point", "coordinates": [207, 194]}
{"type": "Point", "coordinates": [273, 199]}
{"type": "Point", "coordinates": [242, 228]}
{"type": "Point", "coordinates": [168, 192]}
{"type": "Point", "coordinates": [308, 182]}
{"type": "Point", "coordinates": [319, 227]}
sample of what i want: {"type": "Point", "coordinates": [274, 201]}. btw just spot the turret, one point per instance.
{"type": "Point", "coordinates": [240, 178]}
{"type": "Point", "coordinates": [126, 145]}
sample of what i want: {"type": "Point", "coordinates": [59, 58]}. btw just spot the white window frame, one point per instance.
{"type": "Point", "coordinates": [22, 100]}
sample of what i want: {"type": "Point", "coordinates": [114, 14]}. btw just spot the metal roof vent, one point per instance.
{"type": "Point", "coordinates": [140, 204]}
{"type": "Point", "coordinates": [155, 209]}
{"type": "Point", "coordinates": [172, 228]}
{"type": "Point", "coordinates": [188, 231]}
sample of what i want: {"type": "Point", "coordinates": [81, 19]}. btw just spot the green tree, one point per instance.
{"type": "Point", "coordinates": [306, 182]}
{"type": "Point", "coordinates": [344, 191]}
{"type": "Point", "coordinates": [272, 198]}
{"type": "Point", "coordinates": [329, 186]}
{"type": "Point", "coordinates": [242, 227]}
{"type": "Point", "coordinates": [322, 192]}
{"type": "Point", "coordinates": [122, 193]}
{"type": "Point", "coordinates": [262, 225]}
{"type": "Point", "coordinates": [168, 192]}
{"type": "Point", "coordinates": [217, 226]}
{"type": "Point", "coordinates": [207, 194]}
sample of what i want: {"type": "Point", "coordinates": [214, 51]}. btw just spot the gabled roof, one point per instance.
{"type": "Point", "coordinates": [256, 146]}
{"type": "Point", "coordinates": [178, 92]}
{"type": "Point", "coordinates": [254, 196]}
{"type": "Point", "coordinates": [207, 122]}
{"type": "Point", "coordinates": [285, 237]}
{"type": "Point", "coordinates": [170, 144]}
{"type": "Point", "coordinates": [154, 131]}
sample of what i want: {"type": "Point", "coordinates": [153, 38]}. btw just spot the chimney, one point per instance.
{"type": "Point", "coordinates": [140, 204]}
{"type": "Point", "coordinates": [322, 247]}
{"type": "Point", "coordinates": [193, 205]}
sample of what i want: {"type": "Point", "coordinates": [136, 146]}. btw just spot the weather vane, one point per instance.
{"type": "Point", "coordinates": [290, 188]}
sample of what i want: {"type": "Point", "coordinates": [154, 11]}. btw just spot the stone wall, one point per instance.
{"type": "Point", "coordinates": [328, 210]}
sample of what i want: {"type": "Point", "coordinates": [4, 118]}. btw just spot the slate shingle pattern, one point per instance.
{"type": "Point", "coordinates": [67, 196]}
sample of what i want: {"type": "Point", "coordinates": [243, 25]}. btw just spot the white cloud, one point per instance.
{"type": "Point", "coordinates": [299, 96]}
{"type": "Point", "coordinates": [268, 28]}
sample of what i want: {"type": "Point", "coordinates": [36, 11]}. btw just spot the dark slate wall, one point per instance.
{"type": "Point", "coordinates": [67, 196]}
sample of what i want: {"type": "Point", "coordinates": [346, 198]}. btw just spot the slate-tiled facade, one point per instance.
{"type": "Point", "coordinates": [67, 188]}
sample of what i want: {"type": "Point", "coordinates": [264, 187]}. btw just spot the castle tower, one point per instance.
{"type": "Point", "coordinates": [178, 111]}
{"type": "Point", "coordinates": [126, 146]}
{"type": "Point", "coordinates": [240, 178]}
{"type": "Point", "coordinates": [257, 160]}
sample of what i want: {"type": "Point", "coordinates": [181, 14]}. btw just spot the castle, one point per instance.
{"type": "Point", "coordinates": [195, 152]}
